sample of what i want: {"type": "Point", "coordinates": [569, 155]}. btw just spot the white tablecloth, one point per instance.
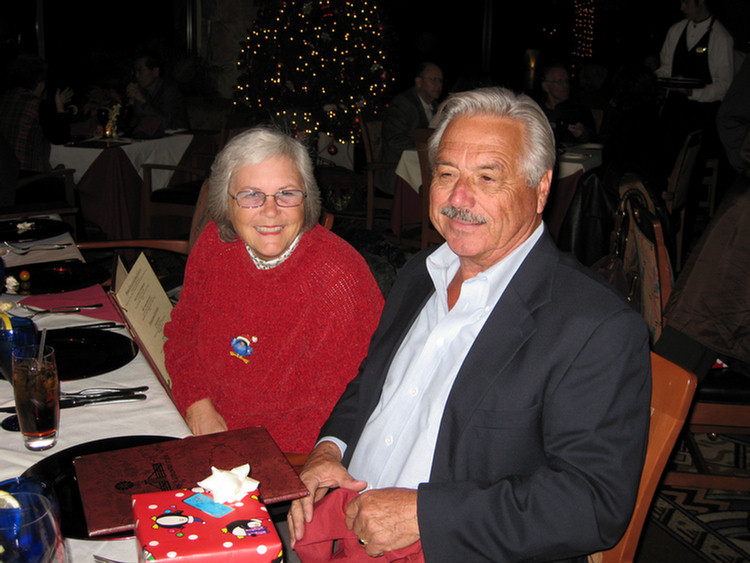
{"type": "Point", "coordinates": [408, 168]}
{"type": "Point", "coordinates": [165, 150]}
{"type": "Point", "coordinates": [579, 157]}
{"type": "Point", "coordinates": [157, 415]}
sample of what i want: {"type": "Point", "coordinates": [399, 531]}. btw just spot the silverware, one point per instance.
{"type": "Point", "coordinates": [66, 309]}
{"type": "Point", "coordinates": [22, 250]}
{"type": "Point", "coordinates": [70, 402]}
{"type": "Point", "coordinates": [104, 391]}
{"type": "Point", "coordinates": [103, 325]}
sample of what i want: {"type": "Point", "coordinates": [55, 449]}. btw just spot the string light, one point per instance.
{"type": "Point", "coordinates": [583, 29]}
{"type": "Point", "coordinates": [327, 66]}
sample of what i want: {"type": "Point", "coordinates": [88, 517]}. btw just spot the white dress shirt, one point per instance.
{"type": "Point", "coordinates": [720, 56]}
{"type": "Point", "coordinates": [399, 439]}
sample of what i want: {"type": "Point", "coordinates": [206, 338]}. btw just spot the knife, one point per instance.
{"type": "Point", "coordinates": [103, 325]}
{"type": "Point", "coordinates": [66, 403]}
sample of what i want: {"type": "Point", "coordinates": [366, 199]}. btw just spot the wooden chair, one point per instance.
{"type": "Point", "coordinates": [678, 187]}
{"type": "Point", "coordinates": [672, 390]}
{"type": "Point", "coordinates": [66, 207]}
{"type": "Point", "coordinates": [176, 200]}
{"type": "Point", "coordinates": [429, 233]}
{"type": "Point", "coordinates": [721, 410]}
{"type": "Point", "coordinates": [199, 219]}
{"type": "Point", "coordinates": [373, 144]}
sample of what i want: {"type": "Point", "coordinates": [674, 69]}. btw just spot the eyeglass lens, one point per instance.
{"type": "Point", "coordinates": [284, 198]}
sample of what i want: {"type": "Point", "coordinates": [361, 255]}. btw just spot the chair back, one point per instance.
{"type": "Point", "coordinates": [429, 233]}
{"type": "Point", "coordinates": [672, 390]}
{"type": "Point", "coordinates": [201, 216]}
{"type": "Point", "coordinates": [372, 139]}
{"type": "Point", "coordinates": [678, 183]}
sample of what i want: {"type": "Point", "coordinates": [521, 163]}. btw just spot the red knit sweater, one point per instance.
{"type": "Point", "coordinates": [308, 321]}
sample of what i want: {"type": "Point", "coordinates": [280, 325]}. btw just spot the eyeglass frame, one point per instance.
{"type": "Point", "coordinates": [266, 196]}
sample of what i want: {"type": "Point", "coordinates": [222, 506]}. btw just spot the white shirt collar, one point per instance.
{"type": "Point", "coordinates": [443, 264]}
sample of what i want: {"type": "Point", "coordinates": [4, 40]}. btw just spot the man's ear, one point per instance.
{"type": "Point", "coordinates": [542, 191]}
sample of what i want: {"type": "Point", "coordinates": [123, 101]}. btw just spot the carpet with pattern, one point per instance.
{"type": "Point", "coordinates": [712, 523]}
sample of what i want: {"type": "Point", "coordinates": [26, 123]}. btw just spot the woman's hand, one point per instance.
{"type": "Point", "coordinates": [203, 418]}
{"type": "Point", "coordinates": [322, 471]}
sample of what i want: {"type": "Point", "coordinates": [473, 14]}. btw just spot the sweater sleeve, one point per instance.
{"type": "Point", "coordinates": [181, 353]}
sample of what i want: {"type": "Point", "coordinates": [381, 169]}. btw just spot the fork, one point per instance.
{"type": "Point", "coordinates": [23, 251]}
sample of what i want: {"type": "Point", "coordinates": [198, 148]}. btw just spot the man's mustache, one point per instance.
{"type": "Point", "coordinates": [462, 214]}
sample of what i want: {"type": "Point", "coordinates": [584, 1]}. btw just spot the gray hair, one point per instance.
{"type": "Point", "coordinates": [539, 154]}
{"type": "Point", "coordinates": [251, 148]}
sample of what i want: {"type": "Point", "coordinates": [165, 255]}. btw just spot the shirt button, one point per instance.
{"type": "Point", "coordinates": [389, 440]}
{"type": "Point", "coordinates": [413, 391]}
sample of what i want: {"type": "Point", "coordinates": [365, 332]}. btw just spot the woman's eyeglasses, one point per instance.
{"type": "Point", "coordinates": [251, 199]}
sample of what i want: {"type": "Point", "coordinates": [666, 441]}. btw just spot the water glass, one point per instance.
{"type": "Point", "coordinates": [37, 392]}
{"type": "Point", "coordinates": [31, 533]}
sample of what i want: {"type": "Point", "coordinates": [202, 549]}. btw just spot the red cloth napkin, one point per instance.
{"type": "Point", "coordinates": [86, 296]}
{"type": "Point", "coordinates": [328, 525]}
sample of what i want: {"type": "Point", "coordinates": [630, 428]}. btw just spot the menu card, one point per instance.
{"type": "Point", "coordinates": [146, 308]}
{"type": "Point", "coordinates": [107, 480]}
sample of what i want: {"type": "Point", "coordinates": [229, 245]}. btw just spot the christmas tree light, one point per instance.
{"type": "Point", "coordinates": [316, 66]}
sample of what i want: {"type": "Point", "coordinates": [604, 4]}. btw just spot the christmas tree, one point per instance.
{"type": "Point", "coordinates": [316, 66]}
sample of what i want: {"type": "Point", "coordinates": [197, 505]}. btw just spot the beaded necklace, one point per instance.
{"type": "Point", "coordinates": [269, 264]}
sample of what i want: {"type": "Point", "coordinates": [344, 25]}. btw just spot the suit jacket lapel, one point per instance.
{"type": "Point", "coordinates": [510, 324]}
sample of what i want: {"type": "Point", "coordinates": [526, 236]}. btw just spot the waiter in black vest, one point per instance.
{"type": "Point", "coordinates": [700, 48]}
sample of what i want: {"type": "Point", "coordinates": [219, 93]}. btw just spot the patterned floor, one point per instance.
{"type": "Point", "coordinates": [714, 524]}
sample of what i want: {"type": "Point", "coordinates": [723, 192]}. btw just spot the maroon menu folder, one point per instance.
{"type": "Point", "coordinates": [107, 480]}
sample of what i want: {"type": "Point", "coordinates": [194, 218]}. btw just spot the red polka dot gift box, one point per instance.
{"type": "Point", "coordinates": [184, 525]}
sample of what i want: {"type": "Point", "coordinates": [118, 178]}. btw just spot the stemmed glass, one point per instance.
{"type": "Point", "coordinates": [29, 530]}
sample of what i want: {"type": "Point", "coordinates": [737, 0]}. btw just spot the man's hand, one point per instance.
{"type": "Point", "coordinates": [577, 129]}
{"type": "Point", "coordinates": [62, 97]}
{"type": "Point", "coordinates": [134, 93]}
{"type": "Point", "coordinates": [384, 519]}
{"type": "Point", "coordinates": [203, 418]}
{"type": "Point", "coordinates": [322, 471]}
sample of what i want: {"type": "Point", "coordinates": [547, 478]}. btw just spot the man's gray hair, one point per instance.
{"type": "Point", "coordinates": [539, 154]}
{"type": "Point", "coordinates": [250, 148]}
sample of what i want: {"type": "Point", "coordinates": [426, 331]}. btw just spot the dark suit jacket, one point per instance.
{"type": "Point", "coordinates": [543, 436]}
{"type": "Point", "coordinates": [403, 115]}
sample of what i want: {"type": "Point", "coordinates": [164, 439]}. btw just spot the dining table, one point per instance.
{"type": "Point", "coordinates": [154, 416]}
{"type": "Point", "coordinates": [108, 175]}
{"type": "Point", "coordinates": [572, 162]}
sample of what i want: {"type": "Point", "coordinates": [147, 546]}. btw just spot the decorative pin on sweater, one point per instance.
{"type": "Point", "coordinates": [242, 347]}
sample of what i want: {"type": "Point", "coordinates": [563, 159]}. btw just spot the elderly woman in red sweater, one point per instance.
{"type": "Point", "coordinates": [276, 312]}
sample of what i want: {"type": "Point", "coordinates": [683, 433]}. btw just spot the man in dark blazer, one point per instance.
{"type": "Point", "coordinates": [502, 411]}
{"type": "Point", "coordinates": [408, 111]}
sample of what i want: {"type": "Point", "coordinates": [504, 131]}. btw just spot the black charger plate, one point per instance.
{"type": "Point", "coordinates": [84, 352]}
{"type": "Point", "coordinates": [39, 229]}
{"type": "Point", "coordinates": [58, 472]}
